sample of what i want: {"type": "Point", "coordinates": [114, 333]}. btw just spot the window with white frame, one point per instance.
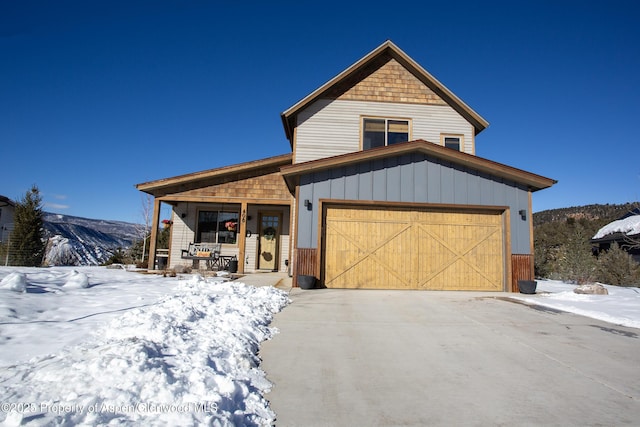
{"type": "Point", "coordinates": [217, 226]}
{"type": "Point", "coordinates": [378, 132]}
{"type": "Point", "coordinates": [451, 141]}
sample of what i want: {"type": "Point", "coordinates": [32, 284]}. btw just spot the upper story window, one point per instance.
{"type": "Point", "coordinates": [451, 141]}
{"type": "Point", "coordinates": [380, 132]}
{"type": "Point", "coordinates": [217, 227]}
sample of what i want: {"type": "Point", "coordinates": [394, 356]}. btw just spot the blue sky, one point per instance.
{"type": "Point", "coordinates": [98, 96]}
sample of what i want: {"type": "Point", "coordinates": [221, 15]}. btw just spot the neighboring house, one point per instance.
{"type": "Point", "coordinates": [7, 208]}
{"type": "Point", "coordinates": [382, 189]}
{"type": "Point", "coordinates": [624, 231]}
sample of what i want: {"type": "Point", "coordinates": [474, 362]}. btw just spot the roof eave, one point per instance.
{"type": "Point", "coordinates": [5, 201]}
{"type": "Point", "coordinates": [616, 237]}
{"type": "Point", "coordinates": [533, 181]}
{"type": "Point", "coordinates": [479, 123]}
{"type": "Point", "coordinates": [153, 187]}
{"type": "Point", "coordinates": [441, 90]}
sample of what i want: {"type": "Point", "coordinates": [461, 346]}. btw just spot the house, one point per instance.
{"type": "Point", "coordinates": [381, 189]}
{"type": "Point", "coordinates": [7, 209]}
{"type": "Point", "coordinates": [625, 231]}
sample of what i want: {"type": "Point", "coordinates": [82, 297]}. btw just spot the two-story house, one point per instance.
{"type": "Point", "coordinates": [382, 189]}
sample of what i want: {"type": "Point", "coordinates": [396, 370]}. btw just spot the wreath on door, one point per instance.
{"type": "Point", "coordinates": [269, 233]}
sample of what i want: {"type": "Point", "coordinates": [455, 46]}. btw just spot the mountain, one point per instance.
{"type": "Point", "coordinates": [82, 241]}
{"type": "Point", "coordinates": [598, 213]}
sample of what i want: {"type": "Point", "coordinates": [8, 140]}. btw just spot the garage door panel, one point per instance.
{"type": "Point", "coordinates": [460, 276]}
{"type": "Point", "coordinates": [367, 274]}
{"type": "Point", "coordinates": [361, 252]}
{"type": "Point", "coordinates": [410, 249]}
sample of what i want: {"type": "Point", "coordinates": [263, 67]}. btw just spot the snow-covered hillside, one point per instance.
{"type": "Point", "coordinates": [82, 241]}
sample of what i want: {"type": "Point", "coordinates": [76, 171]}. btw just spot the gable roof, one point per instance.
{"type": "Point", "coordinates": [532, 181]}
{"type": "Point", "coordinates": [353, 74]}
{"type": "Point", "coordinates": [165, 186]}
{"type": "Point", "coordinates": [5, 201]}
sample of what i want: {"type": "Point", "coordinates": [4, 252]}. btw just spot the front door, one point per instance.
{"type": "Point", "coordinates": [269, 237]}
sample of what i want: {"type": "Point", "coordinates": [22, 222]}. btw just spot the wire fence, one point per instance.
{"type": "Point", "coordinates": [13, 256]}
{"type": "Point", "coordinates": [10, 257]}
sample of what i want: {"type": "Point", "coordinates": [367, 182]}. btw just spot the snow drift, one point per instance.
{"type": "Point", "coordinates": [187, 359]}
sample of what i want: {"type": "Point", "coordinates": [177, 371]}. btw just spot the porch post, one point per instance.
{"type": "Point", "coordinates": [242, 237]}
{"type": "Point", "coordinates": [154, 234]}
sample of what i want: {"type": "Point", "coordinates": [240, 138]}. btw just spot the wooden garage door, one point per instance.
{"type": "Point", "coordinates": [394, 248]}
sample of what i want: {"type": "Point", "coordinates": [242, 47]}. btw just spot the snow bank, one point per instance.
{"type": "Point", "coordinates": [188, 359]}
{"type": "Point", "coordinates": [620, 307]}
{"type": "Point", "coordinates": [629, 226]}
{"type": "Point", "coordinates": [77, 280]}
{"type": "Point", "coordinates": [16, 282]}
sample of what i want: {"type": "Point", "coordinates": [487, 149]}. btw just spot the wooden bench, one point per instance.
{"type": "Point", "coordinates": [209, 252]}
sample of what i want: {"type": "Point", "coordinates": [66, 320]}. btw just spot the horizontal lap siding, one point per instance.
{"type": "Point", "coordinates": [332, 127]}
{"type": "Point", "coordinates": [181, 236]}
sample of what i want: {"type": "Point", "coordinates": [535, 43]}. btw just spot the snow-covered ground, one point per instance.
{"type": "Point", "coordinates": [620, 307]}
{"type": "Point", "coordinates": [93, 346]}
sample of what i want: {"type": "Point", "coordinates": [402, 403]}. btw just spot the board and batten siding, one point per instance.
{"type": "Point", "coordinates": [412, 178]}
{"type": "Point", "coordinates": [332, 127]}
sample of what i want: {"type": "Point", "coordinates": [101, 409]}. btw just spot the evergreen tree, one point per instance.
{"type": "Point", "coordinates": [27, 239]}
{"type": "Point", "coordinates": [118, 257]}
{"type": "Point", "coordinates": [163, 238]}
{"type": "Point", "coordinates": [577, 263]}
{"type": "Point", "coordinates": [617, 267]}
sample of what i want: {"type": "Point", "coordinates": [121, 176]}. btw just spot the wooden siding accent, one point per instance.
{"type": "Point", "coordinates": [305, 262]}
{"type": "Point", "coordinates": [405, 248]}
{"type": "Point", "coordinates": [367, 66]}
{"type": "Point", "coordinates": [329, 128]}
{"type": "Point", "coordinates": [270, 186]}
{"type": "Point", "coordinates": [177, 184]}
{"type": "Point", "coordinates": [521, 269]}
{"type": "Point", "coordinates": [392, 83]}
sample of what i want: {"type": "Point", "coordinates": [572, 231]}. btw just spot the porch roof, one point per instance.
{"type": "Point", "coordinates": [533, 181]}
{"type": "Point", "coordinates": [162, 187]}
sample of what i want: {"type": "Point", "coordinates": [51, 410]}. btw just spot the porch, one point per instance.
{"type": "Point", "coordinates": [244, 207]}
{"type": "Point", "coordinates": [247, 237]}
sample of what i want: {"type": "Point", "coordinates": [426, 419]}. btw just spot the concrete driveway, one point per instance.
{"type": "Point", "coordinates": [412, 358]}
